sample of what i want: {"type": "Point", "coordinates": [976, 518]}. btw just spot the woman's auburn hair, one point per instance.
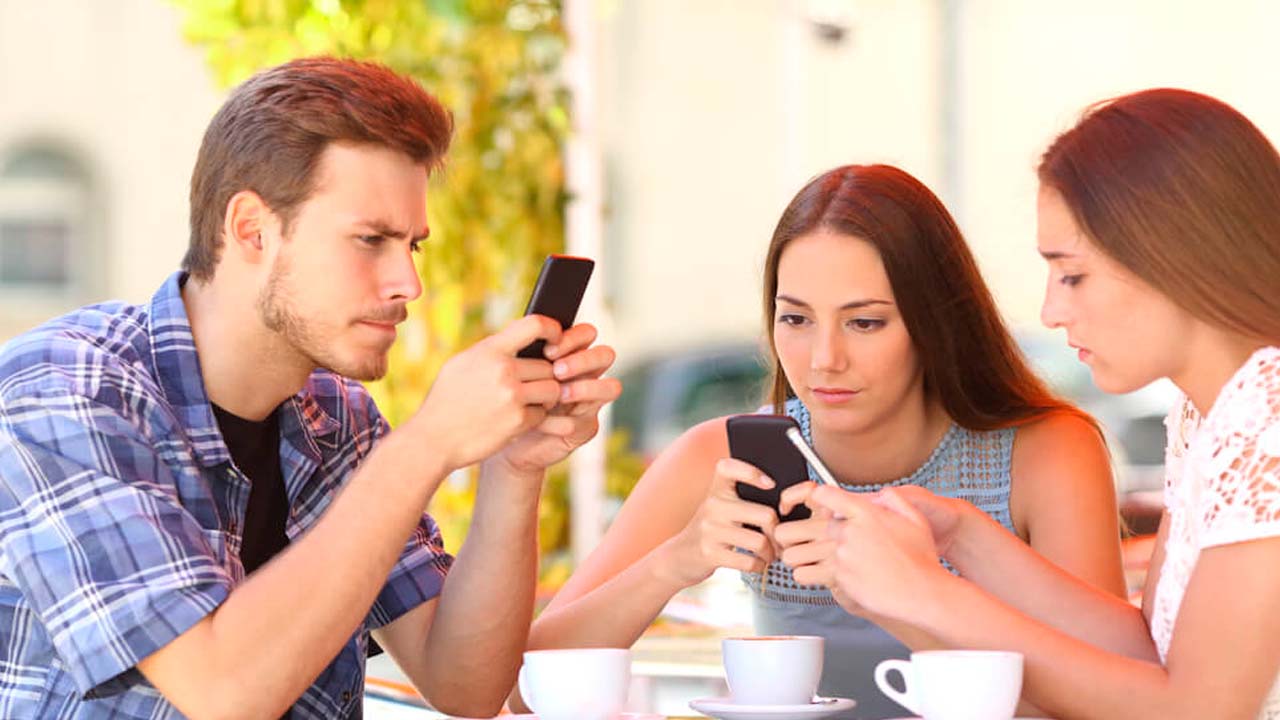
{"type": "Point", "coordinates": [971, 363]}
{"type": "Point", "coordinates": [1183, 191]}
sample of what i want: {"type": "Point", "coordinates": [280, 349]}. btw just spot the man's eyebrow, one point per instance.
{"type": "Point", "coordinates": [852, 305]}
{"type": "Point", "coordinates": [379, 227]}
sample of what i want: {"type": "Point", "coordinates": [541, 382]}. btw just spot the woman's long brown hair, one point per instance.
{"type": "Point", "coordinates": [1183, 191]}
{"type": "Point", "coordinates": [971, 363]}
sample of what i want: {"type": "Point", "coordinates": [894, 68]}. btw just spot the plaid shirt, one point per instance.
{"type": "Point", "coordinates": [121, 513]}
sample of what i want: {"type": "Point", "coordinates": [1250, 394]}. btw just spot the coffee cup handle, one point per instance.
{"type": "Point", "coordinates": [524, 691]}
{"type": "Point", "coordinates": [882, 681]}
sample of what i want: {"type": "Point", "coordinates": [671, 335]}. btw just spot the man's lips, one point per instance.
{"type": "Point", "coordinates": [386, 320]}
{"type": "Point", "coordinates": [388, 327]}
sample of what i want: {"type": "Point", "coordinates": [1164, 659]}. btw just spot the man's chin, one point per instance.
{"type": "Point", "coordinates": [367, 370]}
{"type": "Point", "coordinates": [368, 373]}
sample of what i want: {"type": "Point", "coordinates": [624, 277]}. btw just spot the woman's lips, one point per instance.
{"type": "Point", "coordinates": [834, 396]}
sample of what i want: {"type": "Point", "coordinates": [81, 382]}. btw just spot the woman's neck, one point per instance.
{"type": "Point", "coordinates": [894, 448]}
{"type": "Point", "coordinates": [1212, 358]}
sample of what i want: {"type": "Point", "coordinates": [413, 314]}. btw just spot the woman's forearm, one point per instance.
{"type": "Point", "coordinates": [1057, 666]}
{"type": "Point", "coordinates": [1001, 564]}
{"type": "Point", "coordinates": [615, 613]}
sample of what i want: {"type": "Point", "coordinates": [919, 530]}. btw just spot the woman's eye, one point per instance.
{"type": "Point", "coordinates": [792, 320]}
{"type": "Point", "coordinates": [371, 240]}
{"type": "Point", "coordinates": [1071, 280]}
{"type": "Point", "coordinates": [866, 324]}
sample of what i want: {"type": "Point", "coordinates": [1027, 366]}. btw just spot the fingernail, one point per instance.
{"type": "Point", "coordinates": [551, 351]}
{"type": "Point", "coordinates": [560, 369]}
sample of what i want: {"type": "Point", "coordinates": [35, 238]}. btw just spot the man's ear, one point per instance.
{"type": "Point", "coordinates": [247, 217]}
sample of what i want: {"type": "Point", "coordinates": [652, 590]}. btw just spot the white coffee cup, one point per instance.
{"type": "Point", "coordinates": [956, 684]}
{"type": "Point", "coordinates": [773, 670]}
{"type": "Point", "coordinates": [576, 684]}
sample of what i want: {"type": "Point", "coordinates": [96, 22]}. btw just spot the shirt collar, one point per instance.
{"type": "Point", "coordinates": [177, 365]}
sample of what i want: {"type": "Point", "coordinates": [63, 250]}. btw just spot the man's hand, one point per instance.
{"type": "Point", "coordinates": [485, 395]}
{"type": "Point", "coordinates": [573, 419]}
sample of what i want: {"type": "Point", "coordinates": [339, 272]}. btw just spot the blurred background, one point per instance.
{"type": "Point", "coordinates": [661, 137]}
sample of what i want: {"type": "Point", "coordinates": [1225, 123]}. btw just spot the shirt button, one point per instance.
{"type": "Point", "coordinates": [231, 527]}
{"type": "Point", "coordinates": [346, 696]}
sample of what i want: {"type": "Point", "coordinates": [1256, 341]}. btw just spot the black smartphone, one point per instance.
{"type": "Point", "coordinates": [762, 441]}
{"type": "Point", "coordinates": [557, 294]}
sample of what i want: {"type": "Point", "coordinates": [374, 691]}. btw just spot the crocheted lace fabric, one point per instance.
{"type": "Point", "coordinates": [968, 464]}
{"type": "Point", "coordinates": [1222, 485]}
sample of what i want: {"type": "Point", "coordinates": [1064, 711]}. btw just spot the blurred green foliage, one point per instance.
{"type": "Point", "coordinates": [496, 209]}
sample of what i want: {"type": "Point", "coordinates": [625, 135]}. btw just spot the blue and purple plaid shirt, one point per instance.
{"type": "Point", "coordinates": [121, 513]}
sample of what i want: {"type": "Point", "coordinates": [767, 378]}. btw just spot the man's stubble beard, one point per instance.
{"type": "Point", "coordinates": [276, 308]}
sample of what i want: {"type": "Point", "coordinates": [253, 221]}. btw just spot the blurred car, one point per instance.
{"type": "Point", "coordinates": [663, 395]}
{"type": "Point", "coordinates": [1134, 422]}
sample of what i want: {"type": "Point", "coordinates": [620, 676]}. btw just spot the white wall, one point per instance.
{"type": "Point", "coordinates": [1031, 67]}
{"type": "Point", "coordinates": [717, 111]}
{"type": "Point", "coordinates": [114, 84]}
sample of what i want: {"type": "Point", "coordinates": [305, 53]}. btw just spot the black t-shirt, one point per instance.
{"type": "Point", "coordinates": [255, 450]}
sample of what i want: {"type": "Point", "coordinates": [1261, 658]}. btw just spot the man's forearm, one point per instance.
{"type": "Point", "coordinates": [274, 634]}
{"type": "Point", "coordinates": [482, 622]}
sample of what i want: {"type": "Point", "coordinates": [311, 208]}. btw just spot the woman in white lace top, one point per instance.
{"type": "Point", "coordinates": [1159, 216]}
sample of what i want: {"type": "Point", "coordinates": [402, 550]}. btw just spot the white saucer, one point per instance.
{"type": "Point", "coordinates": [623, 716]}
{"type": "Point", "coordinates": [913, 717]}
{"type": "Point", "coordinates": [725, 709]}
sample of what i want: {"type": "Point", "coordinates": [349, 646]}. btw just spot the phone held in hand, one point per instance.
{"type": "Point", "coordinates": [557, 295]}
{"type": "Point", "coordinates": [761, 440]}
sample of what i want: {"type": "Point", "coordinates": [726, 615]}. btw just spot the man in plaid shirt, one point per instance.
{"type": "Point", "coordinates": [203, 514]}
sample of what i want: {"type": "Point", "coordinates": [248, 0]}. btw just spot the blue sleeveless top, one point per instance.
{"type": "Point", "coordinates": [967, 464]}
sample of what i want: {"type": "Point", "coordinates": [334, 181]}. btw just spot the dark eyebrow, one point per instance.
{"type": "Point", "coordinates": [379, 227]}
{"type": "Point", "coordinates": [1055, 255]}
{"type": "Point", "coordinates": [847, 306]}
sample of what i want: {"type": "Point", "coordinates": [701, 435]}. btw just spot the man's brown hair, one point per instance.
{"type": "Point", "coordinates": [269, 135]}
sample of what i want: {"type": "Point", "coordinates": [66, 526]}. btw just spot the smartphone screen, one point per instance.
{"type": "Point", "coordinates": [762, 441]}
{"type": "Point", "coordinates": [557, 295]}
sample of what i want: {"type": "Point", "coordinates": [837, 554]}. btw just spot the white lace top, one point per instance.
{"type": "Point", "coordinates": [1222, 485]}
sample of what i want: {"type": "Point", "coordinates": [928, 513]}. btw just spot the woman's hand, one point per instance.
{"type": "Point", "coordinates": [808, 547]}
{"type": "Point", "coordinates": [709, 540]}
{"type": "Point", "coordinates": [881, 558]}
{"type": "Point", "coordinates": [944, 515]}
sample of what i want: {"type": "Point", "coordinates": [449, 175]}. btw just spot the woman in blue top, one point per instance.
{"type": "Point", "coordinates": [888, 350]}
